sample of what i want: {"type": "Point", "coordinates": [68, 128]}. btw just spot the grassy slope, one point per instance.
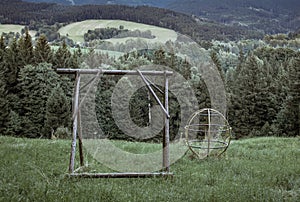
{"type": "Point", "coordinates": [10, 28]}
{"type": "Point", "coordinates": [6, 28]}
{"type": "Point", "coordinates": [260, 169]}
{"type": "Point", "coordinates": [76, 30]}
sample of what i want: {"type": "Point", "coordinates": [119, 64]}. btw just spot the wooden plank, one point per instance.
{"type": "Point", "coordinates": [75, 123]}
{"type": "Point", "coordinates": [166, 138]}
{"type": "Point", "coordinates": [111, 72]}
{"type": "Point", "coordinates": [80, 139]}
{"type": "Point", "coordinates": [153, 93]}
{"type": "Point", "coordinates": [120, 175]}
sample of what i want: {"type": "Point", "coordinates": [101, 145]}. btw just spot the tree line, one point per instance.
{"type": "Point", "coordinates": [35, 99]}
{"type": "Point", "coordinates": [263, 91]}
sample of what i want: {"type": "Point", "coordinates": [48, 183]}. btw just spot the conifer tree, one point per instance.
{"type": "Point", "coordinates": [2, 44]}
{"type": "Point", "coordinates": [2, 48]}
{"type": "Point", "coordinates": [11, 66]}
{"type": "Point", "coordinates": [288, 119]}
{"type": "Point", "coordinates": [247, 109]}
{"type": "Point", "coordinates": [42, 51]}
{"type": "Point", "coordinates": [4, 106]}
{"type": "Point", "coordinates": [62, 57]}
{"type": "Point", "coordinates": [26, 49]}
{"type": "Point", "coordinates": [216, 61]}
{"type": "Point", "coordinates": [57, 110]}
{"type": "Point", "coordinates": [36, 84]}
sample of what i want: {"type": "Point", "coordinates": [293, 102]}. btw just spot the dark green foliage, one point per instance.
{"type": "Point", "coordinates": [63, 58]}
{"type": "Point", "coordinates": [26, 49]}
{"type": "Point", "coordinates": [2, 48]}
{"type": "Point", "coordinates": [103, 33]}
{"type": "Point", "coordinates": [218, 64]}
{"type": "Point", "coordinates": [103, 107]}
{"type": "Point", "coordinates": [14, 124]}
{"type": "Point", "coordinates": [57, 111]}
{"type": "Point", "coordinates": [35, 84]}
{"type": "Point", "coordinates": [4, 106]}
{"type": "Point", "coordinates": [12, 64]}
{"type": "Point", "coordinates": [142, 100]}
{"type": "Point", "coordinates": [25, 88]}
{"type": "Point", "coordinates": [42, 51]}
{"type": "Point", "coordinates": [288, 118]}
{"type": "Point", "coordinates": [265, 94]}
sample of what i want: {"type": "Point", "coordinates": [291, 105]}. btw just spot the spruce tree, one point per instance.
{"type": "Point", "coordinates": [36, 84]}
{"type": "Point", "coordinates": [12, 65]}
{"type": "Point", "coordinates": [62, 57]}
{"type": "Point", "coordinates": [4, 106]}
{"type": "Point", "coordinates": [2, 43]}
{"type": "Point", "coordinates": [247, 110]}
{"type": "Point", "coordinates": [2, 48]}
{"type": "Point", "coordinates": [26, 49]}
{"type": "Point", "coordinates": [42, 51]}
{"type": "Point", "coordinates": [57, 110]}
{"type": "Point", "coordinates": [216, 61]}
{"type": "Point", "coordinates": [288, 119]}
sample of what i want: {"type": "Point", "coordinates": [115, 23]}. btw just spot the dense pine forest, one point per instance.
{"type": "Point", "coordinates": [261, 72]}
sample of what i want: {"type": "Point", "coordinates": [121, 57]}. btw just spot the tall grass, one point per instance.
{"type": "Point", "coordinates": [258, 169]}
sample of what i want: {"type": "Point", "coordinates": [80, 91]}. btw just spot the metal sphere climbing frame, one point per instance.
{"type": "Point", "coordinates": [207, 133]}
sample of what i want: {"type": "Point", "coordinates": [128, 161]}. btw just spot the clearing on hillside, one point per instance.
{"type": "Point", "coordinates": [76, 31]}
{"type": "Point", "coordinates": [15, 28]}
{"type": "Point", "coordinates": [10, 28]}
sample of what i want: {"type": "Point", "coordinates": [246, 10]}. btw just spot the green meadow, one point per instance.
{"type": "Point", "coordinates": [10, 28]}
{"type": "Point", "coordinates": [75, 31]}
{"type": "Point", "coordinates": [258, 169]}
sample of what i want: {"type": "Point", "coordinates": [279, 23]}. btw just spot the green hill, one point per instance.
{"type": "Point", "coordinates": [272, 16]}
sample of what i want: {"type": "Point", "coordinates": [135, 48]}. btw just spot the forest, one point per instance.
{"type": "Point", "coordinates": [261, 75]}
{"type": "Point", "coordinates": [262, 90]}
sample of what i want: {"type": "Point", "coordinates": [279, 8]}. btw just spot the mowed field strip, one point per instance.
{"type": "Point", "coordinates": [10, 28]}
{"type": "Point", "coordinates": [6, 28]}
{"type": "Point", "coordinates": [76, 31]}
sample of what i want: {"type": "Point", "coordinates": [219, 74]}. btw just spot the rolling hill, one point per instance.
{"type": "Point", "coordinates": [25, 13]}
{"type": "Point", "coordinates": [270, 16]}
{"type": "Point", "coordinates": [157, 3]}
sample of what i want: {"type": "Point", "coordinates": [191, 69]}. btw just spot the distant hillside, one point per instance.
{"type": "Point", "coordinates": [18, 12]}
{"type": "Point", "coordinates": [272, 16]}
{"type": "Point", "coordinates": [157, 3]}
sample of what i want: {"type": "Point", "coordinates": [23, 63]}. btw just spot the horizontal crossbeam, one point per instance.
{"type": "Point", "coordinates": [120, 175]}
{"type": "Point", "coordinates": [112, 72]}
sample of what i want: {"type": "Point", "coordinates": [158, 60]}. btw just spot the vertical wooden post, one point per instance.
{"type": "Point", "coordinates": [208, 132]}
{"type": "Point", "coordinates": [80, 139]}
{"type": "Point", "coordinates": [75, 122]}
{"type": "Point", "coordinates": [166, 138]}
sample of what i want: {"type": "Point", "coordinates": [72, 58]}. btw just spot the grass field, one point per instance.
{"type": "Point", "coordinates": [258, 169]}
{"type": "Point", "coordinates": [10, 28]}
{"type": "Point", "coordinates": [75, 31]}
{"type": "Point", "coordinates": [14, 28]}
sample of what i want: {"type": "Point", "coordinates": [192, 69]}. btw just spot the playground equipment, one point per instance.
{"type": "Point", "coordinates": [77, 132]}
{"type": "Point", "coordinates": [207, 133]}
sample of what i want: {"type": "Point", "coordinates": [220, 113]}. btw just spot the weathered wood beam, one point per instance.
{"type": "Point", "coordinates": [75, 124]}
{"type": "Point", "coordinates": [166, 138]}
{"type": "Point", "coordinates": [120, 175]}
{"type": "Point", "coordinates": [153, 93]}
{"type": "Point", "coordinates": [111, 72]}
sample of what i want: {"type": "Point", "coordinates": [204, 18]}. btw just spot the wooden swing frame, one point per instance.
{"type": "Point", "coordinates": [76, 121]}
